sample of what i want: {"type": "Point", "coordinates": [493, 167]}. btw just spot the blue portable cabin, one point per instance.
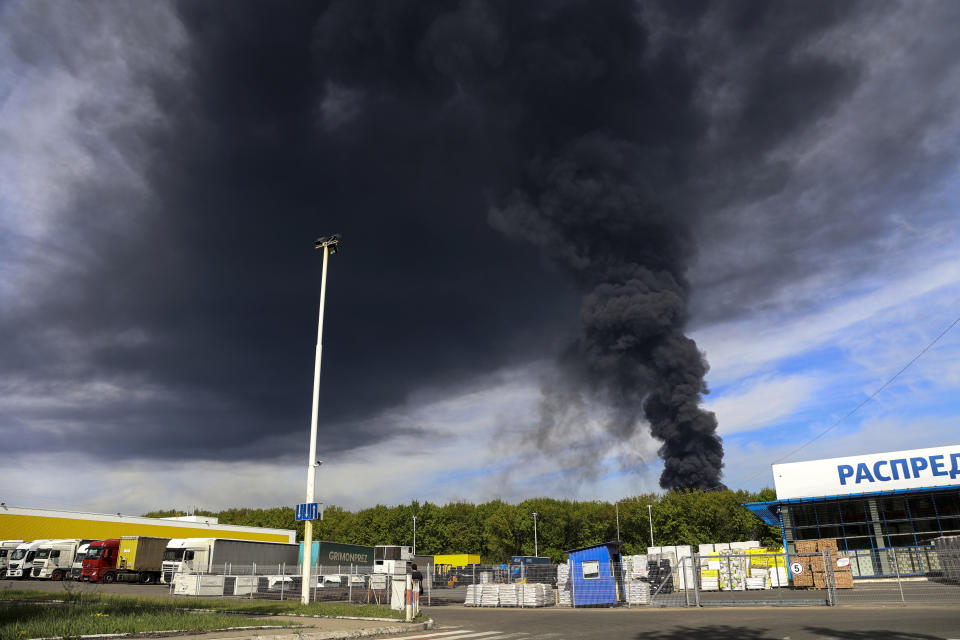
{"type": "Point", "coordinates": [595, 574]}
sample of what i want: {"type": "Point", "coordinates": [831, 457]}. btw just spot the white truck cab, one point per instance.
{"type": "Point", "coordinates": [7, 548]}
{"type": "Point", "coordinates": [76, 569]}
{"type": "Point", "coordinates": [173, 557]}
{"type": "Point", "coordinates": [21, 560]}
{"type": "Point", "coordinates": [54, 560]}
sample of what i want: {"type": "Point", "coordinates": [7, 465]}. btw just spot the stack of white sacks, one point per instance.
{"type": "Point", "coordinates": [564, 594]}
{"type": "Point", "coordinates": [634, 570]}
{"type": "Point", "coordinates": [473, 596]}
{"type": "Point", "coordinates": [507, 594]}
{"type": "Point", "coordinates": [490, 595]}
{"type": "Point", "coordinates": [535, 595]}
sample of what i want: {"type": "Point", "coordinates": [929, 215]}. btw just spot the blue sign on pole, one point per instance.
{"type": "Point", "coordinates": [307, 511]}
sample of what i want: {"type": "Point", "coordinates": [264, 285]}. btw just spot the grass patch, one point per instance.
{"type": "Point", "coordinates": [252, 607]}
{"type": "Point", "coordinates": [24, 619]}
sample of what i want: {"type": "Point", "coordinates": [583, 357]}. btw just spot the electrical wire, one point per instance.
{"type": "Point", "coordinates": [859, 406]}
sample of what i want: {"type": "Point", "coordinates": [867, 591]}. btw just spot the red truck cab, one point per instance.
{"type": "Point", "coordinates": [100, 563]}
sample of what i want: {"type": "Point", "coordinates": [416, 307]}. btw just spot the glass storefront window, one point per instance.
{"type": "Point", "coordinates": [853, 511]}
{"type": "Point", "coordinates": [894, 508]}
{"type": "Point", "coordinates": [948, 504]}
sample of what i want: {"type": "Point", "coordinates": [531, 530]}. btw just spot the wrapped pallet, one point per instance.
{"type": "Point", "coordinates": [806, 546]}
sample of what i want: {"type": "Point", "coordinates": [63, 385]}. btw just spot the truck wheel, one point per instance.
{"type": "Point", "coordinates": [109, 578]}
{"type": "Point", "coordinates": [57, 575]}
{"type": "Point", "coordinates": [146, 578]}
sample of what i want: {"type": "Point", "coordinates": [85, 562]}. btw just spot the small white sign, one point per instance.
{"type": "Point", "coordinates": [796, 567]}
{"type": "Point", "coordinates": [843, 562]}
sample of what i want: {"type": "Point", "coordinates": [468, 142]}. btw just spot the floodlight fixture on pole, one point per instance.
{"type": "Point", "coordinates": [330, 245]}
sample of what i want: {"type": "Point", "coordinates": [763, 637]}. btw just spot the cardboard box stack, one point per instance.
{"type": "Point", "coordinates": [810, 556]}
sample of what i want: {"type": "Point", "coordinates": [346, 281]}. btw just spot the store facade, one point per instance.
{"type": "Point", "coordinates": [883, 509]}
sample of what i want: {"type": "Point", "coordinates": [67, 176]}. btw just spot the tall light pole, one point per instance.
{"type": "Point", "coordinates": [414, 535]}
{"type": "Point", "coordinates": [617, 507]}
{"type": "Point", "coordinates": [535, 549]}
{"type": "Point", "coordinates": [330, 245]}
{"type": "Point", "coordinates": [650, 518]}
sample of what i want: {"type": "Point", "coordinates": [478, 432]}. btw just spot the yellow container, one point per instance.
{"type": "Point", "coordinates": [457, 560]}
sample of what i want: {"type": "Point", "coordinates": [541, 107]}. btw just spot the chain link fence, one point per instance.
{"type": "Point", "coordinates": [917, 575]}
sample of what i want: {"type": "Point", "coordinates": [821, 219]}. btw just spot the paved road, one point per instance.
{"type": "Point", "coordinates": [794, 623]}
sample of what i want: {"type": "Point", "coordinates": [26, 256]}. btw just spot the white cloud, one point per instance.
{"type": "Point", "coordinates": [759, 403]}
{"type": "Point", "coordinates": [743, 348]}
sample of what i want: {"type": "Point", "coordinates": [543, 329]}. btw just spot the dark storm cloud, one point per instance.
{"type": "Point", "coordinates": [629, 143]}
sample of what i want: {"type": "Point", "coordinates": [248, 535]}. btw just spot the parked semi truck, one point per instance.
{"type": "Point", "coordinates": [204, 555]}
{"type": "Point", "coordinates": [100, 562]}
{"type": "Point", "coordinates": [7, 547]}
{"type": "Point", "coordinates": [21, 560]}
{"type": "Point", "coordinates": [141, 559]}
{"type": "Point", "coordinates": [54, 560]}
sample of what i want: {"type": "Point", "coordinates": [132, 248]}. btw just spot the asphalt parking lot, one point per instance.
{"type": "Point", "coordinates": [730, 623]}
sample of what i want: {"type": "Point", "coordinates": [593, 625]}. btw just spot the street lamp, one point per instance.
{"type": "Point", "coordinates": [414, 535]}
{"type": "Point", "coordinates": [650, 518]}
{"type": "Point", "coordinates": [535, 549]}
{"type": "Point", "coordinates": [616, 505]}
{"type": "Point", "coordinates": [330, 245]}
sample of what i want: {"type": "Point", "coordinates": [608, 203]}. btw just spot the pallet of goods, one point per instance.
{"type": "Point", "coordinates": [564, 593]}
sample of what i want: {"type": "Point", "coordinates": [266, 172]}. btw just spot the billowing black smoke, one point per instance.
{"type": "Point", "coordinates": [590, 128]}
{"type": "Point", "coordinates": [597, 210]}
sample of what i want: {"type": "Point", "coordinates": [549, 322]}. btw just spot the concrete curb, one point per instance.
{"type": "Point", "coordinates": [301, 635]}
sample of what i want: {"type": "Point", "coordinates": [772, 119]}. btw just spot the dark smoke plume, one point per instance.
{"type": "Point", "coordinates": [586, 129]}
{"type": "Point", "coordinates": [595, 211]}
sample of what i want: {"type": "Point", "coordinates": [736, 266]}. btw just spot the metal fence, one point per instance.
{"type": "Point", "coordinates": [332, 583]}
{"type": "Point", "coordinates": [920, 575]}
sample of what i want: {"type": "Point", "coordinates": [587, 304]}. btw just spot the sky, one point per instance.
{"type": "Point", "coordinates": [572, 234]}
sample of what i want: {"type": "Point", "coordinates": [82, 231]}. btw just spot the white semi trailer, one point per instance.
{"type": "Point", "coordinates": [54, 560]}
{"type": "Point", "coordinates": [209, 555]}
{"type": "Point", "coordinates": [7, 547]}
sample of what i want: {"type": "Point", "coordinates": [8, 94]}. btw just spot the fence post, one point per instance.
{"type": "Point", "coordinates": [430, 585]}
{"type": "Point", "coordinates": [696, 579]}
{"type": "Point", "coordinates": [896, 565]}
{"type": "Point", "coordinates": [828, 572]}
{"type": "Point", "coordinates": [350, 585]}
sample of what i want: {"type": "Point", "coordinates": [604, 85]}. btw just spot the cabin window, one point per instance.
{"type": "Point", "coordinates": [591, 569]}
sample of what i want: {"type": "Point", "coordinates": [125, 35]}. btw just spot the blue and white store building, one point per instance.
{"type": "Point", "coordinates": [880, 508]}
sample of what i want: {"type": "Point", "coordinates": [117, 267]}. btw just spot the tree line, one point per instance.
{"type": "Point", "coordinates": [497, 530]}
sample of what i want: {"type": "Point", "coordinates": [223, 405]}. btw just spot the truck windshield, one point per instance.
{"type": "Point", "coordinates": [43, 554]}
{"type": "Point", "coordinates": [175, 555]}
{"type": "Point", "coordinates": [93, 553]}
{"type": "Point", "coordinates": [18, 554]}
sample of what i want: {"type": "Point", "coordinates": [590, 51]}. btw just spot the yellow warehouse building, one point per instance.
{"type": "Point", "coordinates": [23, 523]}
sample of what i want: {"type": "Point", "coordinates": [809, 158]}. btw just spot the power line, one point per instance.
{"type": "Point", "coordinates": [859, 406]}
